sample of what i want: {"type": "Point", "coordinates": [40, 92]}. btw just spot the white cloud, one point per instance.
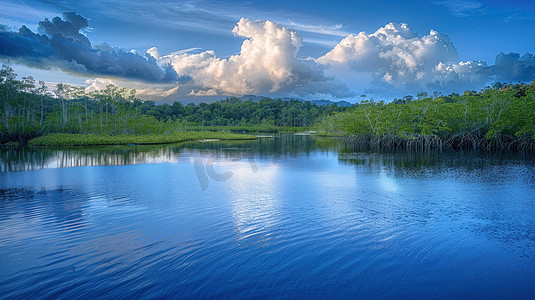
{"type": "Point", "coordinates": [476, 74]}
{"type": "Point", "coordinates": [333, 30]}
{"type": "Point", "coordinates": [201, 93]}
{"type": "Point", "coordinates": [399, 61]}
{"type": "Point", "coordinates": [154, 52]}
{"type": "Point", "coordinates": [394, 54]}
{"type": "Point", "coordinates": [390, 62]}
{"type": "Point", "coordinates": [97, 84]}
{"type": "Point", "coordinates": [267, 63]}
{"type": "Point", "coordinates": [157, 93]}
{"type": "Point", "coordinates": [143, 92]}
{"type": "Point", "coordinates": [470, 71]}
{"type": "Point", "coordinates": [186, 50]}
{"type": "Point", "coordinates": [170, 92]}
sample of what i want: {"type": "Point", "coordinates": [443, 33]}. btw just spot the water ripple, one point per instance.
{"type": "Point", "coordinates": [305, 226]}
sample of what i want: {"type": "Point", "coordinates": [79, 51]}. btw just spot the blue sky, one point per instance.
{"type": "Point", "coordinates": [308, 49]}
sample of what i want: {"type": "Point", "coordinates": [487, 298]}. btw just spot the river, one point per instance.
{"type": "Point", "coordinates": [288, 216]}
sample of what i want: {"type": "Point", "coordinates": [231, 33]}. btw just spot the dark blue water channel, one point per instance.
{"type": "Point", "coordinates": [285, 217]}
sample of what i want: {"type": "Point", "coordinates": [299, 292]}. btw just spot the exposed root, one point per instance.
{"type": "Point", "coordinates": [462, 141]}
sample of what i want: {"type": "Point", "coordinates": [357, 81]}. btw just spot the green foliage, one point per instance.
{"type": "Point", "coordinates": [69, 139]}
{"type": "Point", "coordinates": [28, 110]}
{"type": "Point", "coordinates": [10, 145]}
{"type": "Point", "coordinates": [499, 117]}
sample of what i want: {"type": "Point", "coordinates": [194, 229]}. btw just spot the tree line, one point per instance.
{"type": "Point", "coordinates": [29, 109]}
{"type": "Point", "coordinates": [497, 117]}
{"type": "Point", "coordinates": [501, 116]}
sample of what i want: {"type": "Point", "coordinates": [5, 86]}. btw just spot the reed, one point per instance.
{"type": "Point", "coordinates": [67, 139]}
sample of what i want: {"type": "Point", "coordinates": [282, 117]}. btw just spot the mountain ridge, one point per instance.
{"type": "Point", "coordinates": [321, 102]}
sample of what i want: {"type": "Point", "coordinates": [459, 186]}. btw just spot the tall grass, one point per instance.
{"type": "Point", "coordinates": [67, 139]}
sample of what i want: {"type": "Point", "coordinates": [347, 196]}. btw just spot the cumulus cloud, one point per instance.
{"type": "Point", "coordinates": [459, 76]}
{"type": "Point", "coordinates": [398, 59]}
{"type": "Point", "coordinates": [62, 45]}
{"type": "Point", "coordinates": [157, 93]}
{"type": "Point", "coordinates": [513, 67]}
{"type": "Point", "coordinates": [69, 27]}
{"type": "Point", "coordinates": [201, 93]}
{"type": "Point", "coordinates": [394, 54]}
{"type": "Point", "coordinates": [394, 59]}
{"type": "Point", "coordinates": [154, 52]}
{"type": "Point", "coordinates": [170, 92]}
{"type": "Point", "coordinates": [99, 84]}
{"type": "Point", "coordinates": [476, 74]}
{"type": "Point", "coordinates": [268, 62]}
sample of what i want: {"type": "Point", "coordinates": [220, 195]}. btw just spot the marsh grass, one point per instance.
{"type": "Point", "coordinates": [67, 139]}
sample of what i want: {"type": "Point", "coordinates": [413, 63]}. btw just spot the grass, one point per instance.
{"type": "Point", "coordinates": [68, 139]}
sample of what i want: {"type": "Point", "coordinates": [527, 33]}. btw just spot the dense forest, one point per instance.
{"type": "Point", "coordinates": [29, 109]}
{"type": "Point", "coordinates": [498, 117]}
{"type": "Point", "coordinates": [495, 118]}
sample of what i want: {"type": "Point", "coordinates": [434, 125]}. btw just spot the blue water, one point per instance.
{"type": "Point", "coordinates": [288, 217]}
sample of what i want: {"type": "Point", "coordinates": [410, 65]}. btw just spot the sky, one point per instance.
{"type": "Point", "coordinates": [200, 51]}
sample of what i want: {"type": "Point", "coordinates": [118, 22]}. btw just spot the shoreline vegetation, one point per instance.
{"type": "Point", "coordinates": [500, 117]}
{"type": "Point", "coordinates": [29, 110]}
{"type": "Point", "coordinates": [455, 142]}
{"type": "Point", "coordinates": [497, 118]}
{"type": "Point", "coordinates": [69, 139]}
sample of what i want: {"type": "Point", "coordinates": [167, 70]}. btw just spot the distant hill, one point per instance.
{"type": "Point", "coordinates": [321, 102]}
{"type": "Point", "coordinates": [329, 102]}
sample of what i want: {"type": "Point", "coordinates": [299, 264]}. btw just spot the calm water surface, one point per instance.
{"type": "Point", "coordinates": [289, 216]}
